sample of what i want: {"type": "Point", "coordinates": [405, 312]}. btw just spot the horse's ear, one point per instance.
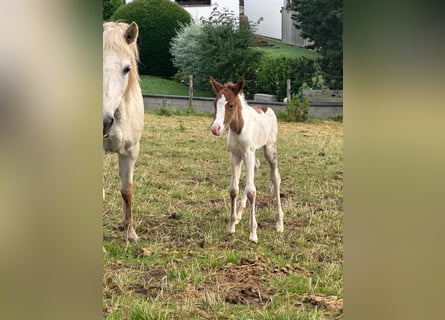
{"type": "Point", "coordinates": [238, 86]}
{"type": "Point", "coordinates": [216, 85]}
{"type": "Point", "coordinates": [131, 34]}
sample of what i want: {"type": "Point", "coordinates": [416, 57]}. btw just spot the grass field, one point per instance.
{"type": "Point", "coordinates": [279, 49]}
{"type": "Point", "coordinates": [156, 85]}
{"type": "Point", "coordinates": [188, 267]}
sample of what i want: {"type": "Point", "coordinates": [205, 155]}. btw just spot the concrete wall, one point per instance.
{"type": "Point", "coordinates": [156, 102]}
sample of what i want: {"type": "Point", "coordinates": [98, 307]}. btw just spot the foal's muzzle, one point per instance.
{"type": "Point", "coordinates": [108, 123]}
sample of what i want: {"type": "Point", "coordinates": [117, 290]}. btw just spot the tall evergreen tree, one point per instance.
{"type": "Point", "coordinates": [321, 21]}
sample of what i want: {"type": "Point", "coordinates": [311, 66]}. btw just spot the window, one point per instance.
{"type": "Point", "coordinates": [194, 2]}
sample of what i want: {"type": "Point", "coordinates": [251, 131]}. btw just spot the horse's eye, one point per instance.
{"type": "Point", "coordinates": [231, 106]}
{"type": "Point", "coordinates": [127, 69]}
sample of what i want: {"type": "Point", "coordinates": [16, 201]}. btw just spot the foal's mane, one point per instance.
{"type": "Point", "coordinates": [230, 85]}
{"type": "Point", "coordinates": [114, 39]}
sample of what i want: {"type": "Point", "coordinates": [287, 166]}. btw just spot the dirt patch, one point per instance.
{"type": "Point", "coordinates": [328, 303]}
{"type": "Point", "coordinates": [150, 284]}
{"type": "Point", "coordinates": [247, 282]}
{"type": "Point", "coordinates": [264, 200]}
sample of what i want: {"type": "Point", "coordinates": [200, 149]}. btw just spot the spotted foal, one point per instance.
{"type": "Point", "coordinates": [250, 128]}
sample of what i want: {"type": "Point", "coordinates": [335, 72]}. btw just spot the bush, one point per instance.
{"type": "Point", "coordinates": [186, 52]}
{"type": "Point", "coordinates": [109, 7]}
{"type": "Point", "coordinates": [220, 47]}
{"type": "Point", "coordinates": [297, 109]}
{"type": "Point", "coordinates": [158, 21]}
{"type": "Point", "coordinates": [273, 73]}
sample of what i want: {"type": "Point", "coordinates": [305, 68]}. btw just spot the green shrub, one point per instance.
{"type": "Point", "coordinates": [158, 21]}
{"type": "Point", "coordinates": [109, 7]}
{"type": "Point", "coordinates": [273, 73]}
{"type": "Point", "coordinates": [297, 108]}
{"type": "Point", "coordinates": [186, 52]}
{"type": "Point", "coordinates": [220, 47]}
{"type": "Point", "coordinates": [227, 45]}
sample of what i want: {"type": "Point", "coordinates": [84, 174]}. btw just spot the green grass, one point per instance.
{"type": "Point", "coordinates": [187, 266]}
{"type": "Point", "coordinates": [280, 49]}
{"type": "Point", "coordinates": [156, 85]}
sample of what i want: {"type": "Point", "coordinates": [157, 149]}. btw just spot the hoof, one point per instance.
{"type": "Point", "coordinates": [130, 232]}
{"type": "Point", "coordinates": [253, 238]}
{"type": "Point", "coordinates": [134, 240]}
{"type": "Point", "coordinates": [280, 227]}
{"type": "Point", "coordinates": [132, 236]}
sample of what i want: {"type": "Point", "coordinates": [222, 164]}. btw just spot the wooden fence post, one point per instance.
{"type": "Point", "coordinates": [190, 90]}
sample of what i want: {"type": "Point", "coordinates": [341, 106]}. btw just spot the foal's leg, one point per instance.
{"type": "Point", "coordinates": [126, 166]}
{"type": "Point", "coordinates": [250, 191]}
{"type": "Point", "coordinates": [270, 152]}
{"type": "Point", "coordinates": [236, 163]}
{"type": "Point", "coordinates": [243, 201]}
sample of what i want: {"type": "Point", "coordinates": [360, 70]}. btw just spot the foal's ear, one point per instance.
{"type": "Point", "coordinates": [131, 34]}
{"type": "Point", "coordinates": [216, 85]}
{"type": "Point", "coordinates": [238, 86]}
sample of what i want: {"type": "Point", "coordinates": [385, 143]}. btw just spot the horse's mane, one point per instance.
{"type": "Point", "coordinates": [113, 38]}
{"type": "Point", "coordinates": [230, 85]}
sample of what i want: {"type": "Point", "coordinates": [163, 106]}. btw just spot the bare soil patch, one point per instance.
{"type": "Point", "coordinates": [247, 282]}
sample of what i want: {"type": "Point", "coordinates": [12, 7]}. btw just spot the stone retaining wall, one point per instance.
{"type": "Point", "coordinates": [200, 104]}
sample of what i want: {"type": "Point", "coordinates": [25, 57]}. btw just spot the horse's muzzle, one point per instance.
{"type": "Point", "coordinates": [216, 129]}
{"type": "Point", "coordinates": [108, 123]}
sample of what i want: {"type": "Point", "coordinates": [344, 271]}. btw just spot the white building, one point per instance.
{"type": "Point", "coordinates": [203, 8]}
{"type": "Point", "coordinates": [270, 14]}
{"type": "Point", "coordinates": [274, 16]}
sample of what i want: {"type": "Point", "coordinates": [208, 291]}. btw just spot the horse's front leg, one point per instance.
{"type": "Point", "coordinates": [250, 191]}
{"type": "Point", "coordinates": [236, 163]}
{"type": "Point", "coordinates": [126, 166]}
{"type": "Point", "coordinates": [243, 201]}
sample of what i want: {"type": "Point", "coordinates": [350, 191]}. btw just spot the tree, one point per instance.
{"type": "Point", "coordinates": [186, 52]}
{"type": "Point", "coordinates": [321, 21]}
{"type": "Point", "coordinates": [109, 7]}
{"type": "Point", "coordinates": [220, 46]}
{"type": "Point", "coordinates": [158, 21]}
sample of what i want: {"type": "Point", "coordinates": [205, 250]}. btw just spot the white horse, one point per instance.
{"type": "Point", "coordinates": [123, 108]}
{"type": "Point", "coordinates": [249, 129]}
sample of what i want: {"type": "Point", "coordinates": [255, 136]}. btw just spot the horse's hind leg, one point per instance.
{"type": "Point", "coordinates": [270, 152]}
{"type": "Point", "coordinates": [126, 166]}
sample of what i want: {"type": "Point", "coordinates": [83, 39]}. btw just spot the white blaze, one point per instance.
{"type": "Point", "coordinates": [220, 113]}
